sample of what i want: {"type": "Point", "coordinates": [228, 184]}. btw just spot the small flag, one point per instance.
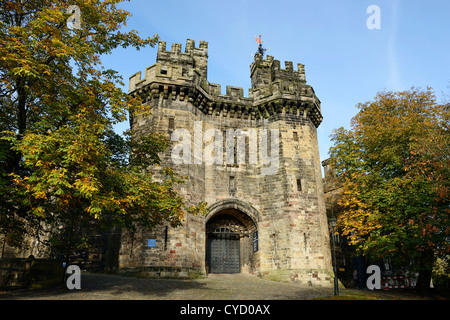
{"type": "Point", "coordinates": [258, 39]}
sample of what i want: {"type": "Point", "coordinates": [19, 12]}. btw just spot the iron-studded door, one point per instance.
{"type": "Point", "coordinates": [223, 245]}
{"type": "Point", "coordinates": [224, 255]}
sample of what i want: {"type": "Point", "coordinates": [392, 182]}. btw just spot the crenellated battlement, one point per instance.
{"type": "Point", "coordinates": [275, 67]}
{"type": "Point", "coordinates": [190, 49]}
{"type": "Point", "coordinates": [192, 58]}
{"type": "Point", "coordinates": [267, 75]}
{"type": "Point", "coordinates": [289, 69]}
{"type": "Point", "coordinates": [183, 76]}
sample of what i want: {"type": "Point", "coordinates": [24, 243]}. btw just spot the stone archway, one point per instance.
{"type": "Point", "coordinates": [242, 206]}
{"type": "Point", "coordinates": [231, 231]}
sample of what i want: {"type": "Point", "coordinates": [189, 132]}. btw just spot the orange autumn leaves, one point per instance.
{"type": "Point", "coordinates": [394, 168]}
{"type": "Point", "coordinates": [61, 161]}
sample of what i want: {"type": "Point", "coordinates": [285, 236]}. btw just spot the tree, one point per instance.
{"type": "Point", "coordinates": [394, 168]}
{"type": "Point", "coordinates": [62, 165]}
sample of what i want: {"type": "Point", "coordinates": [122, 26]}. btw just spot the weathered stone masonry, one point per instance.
{"type": "Point", "coordinates": [282, 213]}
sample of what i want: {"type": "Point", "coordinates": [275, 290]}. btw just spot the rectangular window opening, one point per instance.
{"type": "Point", "coordinates": [232, 186]}
{"type": "Point", "coordinates": [165, 238]}
{"type": "Point", "coordinates": [299, 185]}
{"type": "Point", "coordinates": [171, 123]}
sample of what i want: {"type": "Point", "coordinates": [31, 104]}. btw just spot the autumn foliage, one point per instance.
{"type": "Point", "coordinates": [61, 162]}
{"type": "Point", "coordinates": [394, 168]}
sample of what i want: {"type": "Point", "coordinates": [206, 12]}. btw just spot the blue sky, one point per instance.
{"type": "Point", "coordinates": [346, 63]}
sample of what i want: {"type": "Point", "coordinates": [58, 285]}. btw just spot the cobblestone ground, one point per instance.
{"type": "Point", "coordinates": [215, 287]}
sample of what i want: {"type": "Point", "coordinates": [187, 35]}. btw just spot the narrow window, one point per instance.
{"type": "Point", "coordinates": [231, 186]}
{"type": "Point", "coordinates": [165, 238]}
{"type": "Point", "coordinates": [299, 185]}
{"type": "Point", "coordinates": [295, 136]}
{"type": "Point", "coordinates": [171, 123]}
{"type": "Point", "coordinates": [235, 155]}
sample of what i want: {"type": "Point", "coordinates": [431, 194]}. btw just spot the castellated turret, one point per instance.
{"type": "Point", "coordinates": [274, 91]}
{"type": "Point", "coordinates": [254, 160]}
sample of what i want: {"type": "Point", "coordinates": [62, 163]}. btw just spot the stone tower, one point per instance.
{"type": "Point", "coordinates": [254, 160]}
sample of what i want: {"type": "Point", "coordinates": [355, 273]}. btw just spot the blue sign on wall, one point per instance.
{"type": "Point", "coordinates": [151, 243]}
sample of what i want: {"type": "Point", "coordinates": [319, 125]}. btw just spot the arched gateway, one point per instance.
{"type": "Point", "coordinates": [231, 237]}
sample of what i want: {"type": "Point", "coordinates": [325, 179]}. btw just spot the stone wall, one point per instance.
{"type": "Point", "coordinates": [30, 273]}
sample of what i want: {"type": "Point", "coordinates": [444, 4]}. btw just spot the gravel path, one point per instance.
{"type": "Point", "coordinates": [214, 287]}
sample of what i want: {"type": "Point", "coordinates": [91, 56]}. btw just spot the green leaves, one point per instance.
{"type": "Point", "coordinates": [61, 162]}
{"type": "Point", "coordinates": [395, 178]}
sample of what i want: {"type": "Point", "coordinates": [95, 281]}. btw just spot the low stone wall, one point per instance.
{"type": "Point", "coordinates": [30, 273]}
{"type": "Point", "coordinates": [315, 277]}
{"type": "Point", "coordinates": [164, 273]}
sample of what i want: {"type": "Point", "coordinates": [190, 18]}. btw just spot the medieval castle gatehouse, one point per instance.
{"type": "Point", "coordinates": [254, 160]}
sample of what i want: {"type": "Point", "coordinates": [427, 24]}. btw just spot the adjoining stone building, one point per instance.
{"type": "Point", "coordinates": [266, 211]}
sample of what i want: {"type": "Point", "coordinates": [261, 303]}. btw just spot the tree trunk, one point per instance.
{"type": "Point", "coordinates": [425, 269]}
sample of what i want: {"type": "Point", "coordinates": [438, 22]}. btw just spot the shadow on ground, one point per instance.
{"type": "Point", "coordinates": [215, 287]}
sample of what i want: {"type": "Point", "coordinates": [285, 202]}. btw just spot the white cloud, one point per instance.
{"type": "Point", "coordinates": [394, 79]}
